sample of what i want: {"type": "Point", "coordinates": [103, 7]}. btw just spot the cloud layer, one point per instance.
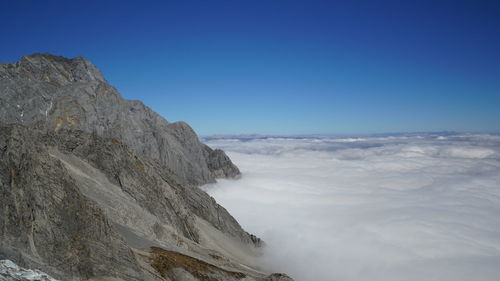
{"type": "Point", "coordinates": [403, 207]}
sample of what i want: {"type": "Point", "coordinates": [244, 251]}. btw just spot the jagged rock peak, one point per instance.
{"type": "Point", "coordinates": [56, 69]}
{"type": "Point", "coordinates": [91, 184]}
{"type": "Point", "coordinates": [58, 93]}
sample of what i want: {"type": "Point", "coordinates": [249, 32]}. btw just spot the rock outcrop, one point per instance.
{"type": "Point", "coordinates": [95, 187]}
{"type": "Point", "coordinates": [10, 271]}
{"type": "Point", "coordinates": [57, 93]}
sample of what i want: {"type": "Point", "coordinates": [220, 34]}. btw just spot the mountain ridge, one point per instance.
{"type": "Point", "coordinates": [56, 92]}
{"type": "Point", "coordinates": [92, 185]}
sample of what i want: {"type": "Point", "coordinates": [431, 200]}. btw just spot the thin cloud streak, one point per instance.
{"type": "Point", "coordinates": [404, 207]}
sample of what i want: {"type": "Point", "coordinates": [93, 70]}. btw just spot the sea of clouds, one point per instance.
{"type": "Point", "coordinates": [392, 208]}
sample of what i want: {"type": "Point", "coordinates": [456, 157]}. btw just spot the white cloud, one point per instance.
{"type": "Point", "coordinates": [404, 207]}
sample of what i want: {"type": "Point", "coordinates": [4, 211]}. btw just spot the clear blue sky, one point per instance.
{"type": "Point", "coordinates": [282, 67]}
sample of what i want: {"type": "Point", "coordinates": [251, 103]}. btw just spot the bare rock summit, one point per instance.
{"type": "Point", "coordinates": [57, 93]}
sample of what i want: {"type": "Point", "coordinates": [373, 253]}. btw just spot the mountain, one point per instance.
{"type": "Point", "coordinates": [96, 187]}
{"type": "Point", "coordinates": [59, 93]}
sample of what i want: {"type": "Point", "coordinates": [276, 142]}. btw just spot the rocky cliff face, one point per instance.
{"type": "Point", "coordinates": [59, 93]}
{"type": "Point", "coordinates": [95, 187]}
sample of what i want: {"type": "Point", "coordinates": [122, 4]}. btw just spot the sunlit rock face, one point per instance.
{"type": "Point", "coordinates": [91, 184]}
{"type": "Point", "coordinates": [57, 93]}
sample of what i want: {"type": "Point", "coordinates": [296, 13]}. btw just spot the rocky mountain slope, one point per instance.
{"type": "Point", "coordinates": [59, 93]}
{"type": "Point", "coordinates": [96, 187]}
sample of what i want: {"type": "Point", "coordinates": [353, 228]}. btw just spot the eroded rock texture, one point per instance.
{"type": "Point", "coordinates": [96, 187]}
{"type": "Point", "coordinates": [60, 93]}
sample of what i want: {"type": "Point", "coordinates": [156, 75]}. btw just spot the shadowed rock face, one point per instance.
{"type": "Point", "coordinates": [57, 93]}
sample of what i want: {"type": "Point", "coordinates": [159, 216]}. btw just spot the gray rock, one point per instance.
{"type": "Point", "coordinates": [278, 277]}
{"type": "Point", "coordinates": [77, 206]}
{"type": "Point", "coordinates": [10, 271]}
{"type": "Point", "coordinates": [48, 221]}
{"type": "Point", "coordinates": [58, 93]}
{"type": "Point", "coordinates": [93, 187]}
{"type": "Point", "coordinates": [220, 164]}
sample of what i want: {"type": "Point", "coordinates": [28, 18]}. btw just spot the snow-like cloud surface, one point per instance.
{"type": "Point", "coordinates": [392, 208]}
